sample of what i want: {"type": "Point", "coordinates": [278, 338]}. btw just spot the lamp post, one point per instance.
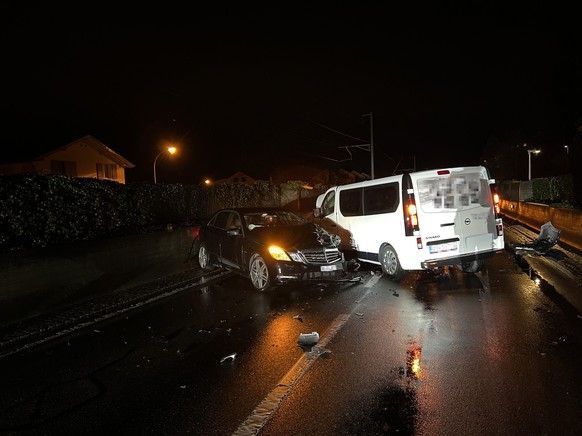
{"type": "Point", "coordinates": [529, 153]}
{"type": "Point", "coordinates": [170, 150]}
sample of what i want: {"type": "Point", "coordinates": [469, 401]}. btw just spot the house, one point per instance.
{"type": "Point", "coordinates": [238, 177]}
{"type": "Point", "coordinates": [85, 157]}
{"type": "Point", "coordinates": [306, 173]}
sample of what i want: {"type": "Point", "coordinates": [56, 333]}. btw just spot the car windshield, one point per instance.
{"type": "Point", "coordinates": [272, 219]}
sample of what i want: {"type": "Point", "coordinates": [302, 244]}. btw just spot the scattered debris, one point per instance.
{"type": "Point", "coordinates": [359, 314]}
{"type": "Point", "coordinates": [308, 338]}
{"type": "Point", "coordinates": [298, 318]}
{"type": "Point", "coordinates": [396, 294]}
{"type": "Point", "coordinates": [230, 358]}
{"type": "Point", "coordinates": [97, 331]}
{"type": "Point", "coordinates": [182, 386]}
{"type": "Point", "coordinates": [318, 351]}
{"type": "Point", "coordinates": [548, 237]}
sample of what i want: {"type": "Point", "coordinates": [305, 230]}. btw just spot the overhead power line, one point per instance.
{"type": "Point", "coordinates": [337, 131]}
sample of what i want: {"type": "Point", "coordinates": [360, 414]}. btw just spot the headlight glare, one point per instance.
{"type": "Point", "coordinates": [278, 253]}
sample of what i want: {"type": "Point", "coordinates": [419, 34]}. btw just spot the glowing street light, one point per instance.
{"type": "Point", "coordinates": [170, 150]}
{"type": "Point", "coordinates": [529, 152]}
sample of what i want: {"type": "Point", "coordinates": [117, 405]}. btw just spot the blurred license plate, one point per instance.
{"type": "Point", "coordinates": [329, 267]}
{"type": "Point", "coordinates": [441, 248]}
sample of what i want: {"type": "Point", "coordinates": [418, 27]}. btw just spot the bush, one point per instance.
{"type": "Point", "coordinates": [42, 210]}
{"type": "Point", "coordinates": [554, 190]}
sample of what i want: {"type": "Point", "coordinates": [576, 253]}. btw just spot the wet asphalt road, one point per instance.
{"type": "Point", "coordinates": [493, 353]}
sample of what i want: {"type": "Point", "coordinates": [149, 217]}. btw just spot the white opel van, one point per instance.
{"type": "Point", "coordinates": [418, 220]}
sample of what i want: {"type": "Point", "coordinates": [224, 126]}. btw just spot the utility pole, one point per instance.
{"type": "Point", "coordinates": [371, 143]}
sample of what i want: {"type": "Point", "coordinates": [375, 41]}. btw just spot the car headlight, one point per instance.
{"type": "Point", "coordinates": [278, 253]}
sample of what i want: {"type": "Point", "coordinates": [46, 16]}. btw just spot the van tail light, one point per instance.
{"type": "Point", "coordinates": [411, 217]}
{"type": "Point", "coordinates": [495, 198]}
{"type": "Point", "coordinates": [497, 209]}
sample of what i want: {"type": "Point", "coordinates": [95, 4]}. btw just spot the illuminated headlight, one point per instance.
{"type": "Point", "coordinates": [278, 253]}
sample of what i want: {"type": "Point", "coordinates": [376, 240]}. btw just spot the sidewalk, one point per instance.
{"type": "Point", "coordinates": [48, 292]}
{"type": "Point", "coordinates": [28, 332]}
{"type": "Point", "coordinates": [558, 273]}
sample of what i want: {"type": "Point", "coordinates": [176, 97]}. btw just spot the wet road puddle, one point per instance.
{"type": "Point", "coordinates": [546, 288]}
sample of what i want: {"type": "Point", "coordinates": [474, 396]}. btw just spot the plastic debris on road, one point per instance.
{"type": "Point", "coordinates": [228, 358]}
{"type": "Point", "coordinates": [308, 338]}
{"type": "Point", "coordinates": [548, 237]}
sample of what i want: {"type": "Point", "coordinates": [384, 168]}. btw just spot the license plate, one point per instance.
{"type": "Point", "coordinates": [441, 248]}
{"type": "Point", "coordinates": [329, 267]}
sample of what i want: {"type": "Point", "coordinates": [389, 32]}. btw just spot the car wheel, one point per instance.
{"type": "Point", "coordinates": [259, 273]}
{"type": "Point", "coordinates": [472, 267]}
{"type": "Point", "coordinates": [204, 257]}
{"type": "Point", "coordinates": [390, 263]}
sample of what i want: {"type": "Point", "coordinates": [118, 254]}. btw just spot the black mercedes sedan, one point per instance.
{"type": "Point", "coordinates": [270, 246]}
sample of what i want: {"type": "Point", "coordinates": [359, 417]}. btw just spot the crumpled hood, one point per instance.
{"type": "Point", "coordinates": [295, 237]}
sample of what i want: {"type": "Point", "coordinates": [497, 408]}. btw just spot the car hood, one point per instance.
{"type": "Point", "coordinates": [295, 237]}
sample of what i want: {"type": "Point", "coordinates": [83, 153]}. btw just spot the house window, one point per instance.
{"type": "Point", "coordinates": [68, 168]}
{"type": "Point", "coordinates": [106, 171]}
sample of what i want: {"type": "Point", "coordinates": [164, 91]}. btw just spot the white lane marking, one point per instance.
{"type": "Point", "coordinates": [373, 280]}
{"type": "Point", "coordinates": [265, 410]}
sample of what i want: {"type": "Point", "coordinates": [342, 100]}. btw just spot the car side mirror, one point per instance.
{"type": "Point", "coordinates": [317, 212]}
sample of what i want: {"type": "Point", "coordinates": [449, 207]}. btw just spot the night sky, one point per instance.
{"type": "Point", "coordinates": [250, 90]}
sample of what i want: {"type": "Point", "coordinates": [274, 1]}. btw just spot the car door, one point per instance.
{"type": "Point", "coordinates": [231, 241]}
{"type": "Point", "coordinates": [214, 233]}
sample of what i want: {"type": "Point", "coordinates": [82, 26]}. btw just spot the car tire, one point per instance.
{"type": "Point", "coordinates": [259, 273]}
{"type": "Point", "coordinates": [473, 266]}
{"type": "Point", "coordinates": [390, 263]}
{"type": "Point", "coordinates": [204, 257]}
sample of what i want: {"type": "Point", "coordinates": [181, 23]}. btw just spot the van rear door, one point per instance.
{"type": "Point", "coordinates": [455, 209]}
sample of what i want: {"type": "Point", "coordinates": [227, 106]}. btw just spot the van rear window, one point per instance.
{"type": "Point", "coordinates": [453, 192]}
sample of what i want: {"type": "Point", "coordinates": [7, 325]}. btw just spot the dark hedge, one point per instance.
{"type": "Point", "coordinates": [43, 210]}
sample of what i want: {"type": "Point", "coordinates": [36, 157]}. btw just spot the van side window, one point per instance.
{"type": "Point", "coordinates": [328, 204]}
{"type": "Point", "coordinates": [380, 198]}
{"type": "Point", "coordinates": [351, 202]}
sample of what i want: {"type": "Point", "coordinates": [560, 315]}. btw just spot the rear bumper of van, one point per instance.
{"type": "Point", "coordinates": [434, 263]}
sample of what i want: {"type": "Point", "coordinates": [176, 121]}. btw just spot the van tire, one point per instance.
{"type": "Point", "coordinates": [390, 263]}
{"type": "Point", "coordinates": [473, 266]}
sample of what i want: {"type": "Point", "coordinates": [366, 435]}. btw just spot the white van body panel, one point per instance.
{"type": "Point", "coordinates": [455, 210]}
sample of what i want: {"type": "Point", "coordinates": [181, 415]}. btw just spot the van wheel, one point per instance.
{"type": "Point", "coordinates": [204, 257]}
{"type": "Point", "coordinates": [472, 267]}
{"type": "Point", "coordinates": [390, 263]}
{"type": "Point", "coordinates": [259, 273]}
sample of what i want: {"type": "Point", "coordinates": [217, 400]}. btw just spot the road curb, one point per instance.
{"type": "Point", "coordinates": [26, 334]}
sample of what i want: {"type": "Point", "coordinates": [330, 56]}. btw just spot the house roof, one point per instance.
{"type": "Point", "coordinates": [239, 174]}
{"type": "Point", "coordinates": [98, 146]}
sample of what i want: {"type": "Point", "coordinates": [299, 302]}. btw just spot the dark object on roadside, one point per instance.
{"type": "Point", "coordinates": [271, 246]}
{"type": "Point", "coordinates": [549, 236]}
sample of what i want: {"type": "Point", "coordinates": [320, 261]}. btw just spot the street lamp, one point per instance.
{"type": "Point", "coordinates": [170, 150]}
{"type": "Point", "coordinates": [529, 152]}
